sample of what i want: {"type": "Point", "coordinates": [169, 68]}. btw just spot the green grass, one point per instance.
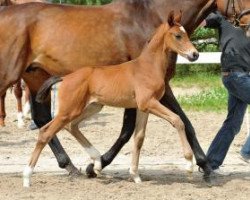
{"type": "Point", "coordinates": [201, 80]}
{"type": "Point", "coordinates": [214, 99]}
{"type": "Point", "coordinates": [213, 95]}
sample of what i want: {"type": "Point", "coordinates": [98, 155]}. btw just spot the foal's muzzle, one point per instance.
{"type": "Point", "coordinates": [193, 56]}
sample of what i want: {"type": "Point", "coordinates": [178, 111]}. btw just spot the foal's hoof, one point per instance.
{"type": "Point", "coordinates": [90, 171]}
{"type": "Point", "coordinates": [2, 124]}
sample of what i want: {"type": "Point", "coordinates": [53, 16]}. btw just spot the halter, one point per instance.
{"type": "Point", "coordinates": [243, 13]}
{"type": "Point", "coordinates": [236, 16]}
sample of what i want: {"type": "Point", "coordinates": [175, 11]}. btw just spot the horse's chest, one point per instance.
{"type": "Point", "coordinates": [154, 88]}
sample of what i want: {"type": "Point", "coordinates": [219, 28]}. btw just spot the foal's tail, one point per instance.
{"type": "Point", "coordinates": [44, 90]}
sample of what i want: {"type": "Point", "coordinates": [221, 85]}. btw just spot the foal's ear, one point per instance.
{"type": "Point", "coordinates": [177, 18]}
{"type": "Point", "coordinates": [171, 18]}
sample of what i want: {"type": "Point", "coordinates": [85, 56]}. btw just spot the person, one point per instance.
{"type": "Point", "coordinates": [245, 150]}
{"type": "Point", "coordinates": [235, 71]}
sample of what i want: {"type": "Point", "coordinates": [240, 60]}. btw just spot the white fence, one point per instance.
{"type": "Point", "coordinates": [210, 58]}
{"type": "Point", "coordinates": [204, 58]}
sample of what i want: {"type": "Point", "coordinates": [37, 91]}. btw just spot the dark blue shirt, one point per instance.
{"type": "Point", "coordinates": [234, 44]}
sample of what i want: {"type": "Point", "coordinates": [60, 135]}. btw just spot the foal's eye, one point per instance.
{"type": "Point", "coordinates": [178, 36]}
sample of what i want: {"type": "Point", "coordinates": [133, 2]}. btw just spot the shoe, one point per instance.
{"type": "Point", "coordinates": [245, 159]}
{"type": "Point", "coordinates": [33, 126]}
{"type": "Point", "coordinates": [220, 172]}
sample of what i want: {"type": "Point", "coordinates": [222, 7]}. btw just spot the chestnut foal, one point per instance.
{"type": "Point", "coordinates": [137, 84]}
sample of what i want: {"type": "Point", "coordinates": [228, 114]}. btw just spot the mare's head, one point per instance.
{"type": "Point", "coordinates": [176, 38]}
{"type": "Point", "coordinates": [236, 11]}
{"type": "Point", "coordinates": [244, 21]}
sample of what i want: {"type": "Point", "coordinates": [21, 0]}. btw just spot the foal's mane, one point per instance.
{"type": "Point", "coordinates": [157, 37]}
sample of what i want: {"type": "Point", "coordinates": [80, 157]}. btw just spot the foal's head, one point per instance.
{"type": "Point", "coordinates": [177, 40]}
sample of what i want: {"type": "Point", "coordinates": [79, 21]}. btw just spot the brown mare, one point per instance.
{"type": "Point", "coordinates": [237, 11]}
{"type": "Point", "coordinates": [52, 39]}
{"type": "Point", "coordinates": [16, 87]}
{"type": "Point", "coordinates": [84, 92]}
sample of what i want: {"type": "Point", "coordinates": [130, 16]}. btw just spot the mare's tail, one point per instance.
{"type": "Point", "coordinates": [44, 90]}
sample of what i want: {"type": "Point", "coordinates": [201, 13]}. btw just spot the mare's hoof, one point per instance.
{"type": "Point", "coordinates": [73, 171]}
{"type": "Point", "coordinates": [90, 171]}
{"type": "Point", "coordinates": [210, 179]}
{"type": "Point", "coordinates": [33, 126]}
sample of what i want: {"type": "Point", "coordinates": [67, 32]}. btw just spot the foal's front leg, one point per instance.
{"type": "Point", "coordinates": [46, 134]}
{"type": "Point", "coordinates": [139, 135]}
{"type": "Point", "coordinates": [156, 108]}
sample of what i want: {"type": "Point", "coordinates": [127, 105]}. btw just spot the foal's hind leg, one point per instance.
{"type": "Point", "coordinates": [156, 108]}
{"type": "Point", "coordinates": [46, 134]}
{"type": "Point", "coordinates": [127, 131]}
{"type": "Point", "coordinates": [139, 135]}
{"type": "Point", "coordinates": [91, 150]}
{"type": "Point", "coordinates": [73, 128]}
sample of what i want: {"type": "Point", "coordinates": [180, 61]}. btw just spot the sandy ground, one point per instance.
{"type": "Point", "coordinates": [161, 164]}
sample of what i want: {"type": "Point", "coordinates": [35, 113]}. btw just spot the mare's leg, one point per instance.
{"type": "Point", "coordinates": [156, 108]}
{"type": "Point", "coordinates": [2, 110]}
{"type": "Point", "coordinates": [170, 101]}
{"type": "Point", "coordinates": [46, 134]}
{"type": "Point", "coordinates": [140, 128]}
{"type": "Point", "coordinates": [41, 115]}
{"type": "Point", "coordinates": [18, 94]}
{"type": "Point", "coordinates": [126, 133]}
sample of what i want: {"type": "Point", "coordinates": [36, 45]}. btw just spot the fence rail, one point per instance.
{"type": "Point", "coordinates": [204, 58]}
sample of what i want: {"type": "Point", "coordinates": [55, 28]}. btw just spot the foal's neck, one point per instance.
{"type": "Point", "coordinates": [155, 52]}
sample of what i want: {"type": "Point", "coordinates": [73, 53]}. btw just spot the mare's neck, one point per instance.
{"type": "Point", "coordinates": [194, 11]}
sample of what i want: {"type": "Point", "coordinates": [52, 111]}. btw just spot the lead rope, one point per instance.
{"type": "Point", "coordinates": [227, 7]}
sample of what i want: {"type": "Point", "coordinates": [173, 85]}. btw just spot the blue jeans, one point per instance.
{"type": "Point", "coordinates": [238, 87]}
{"type": "Point", "coordinates": [245, 150]}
